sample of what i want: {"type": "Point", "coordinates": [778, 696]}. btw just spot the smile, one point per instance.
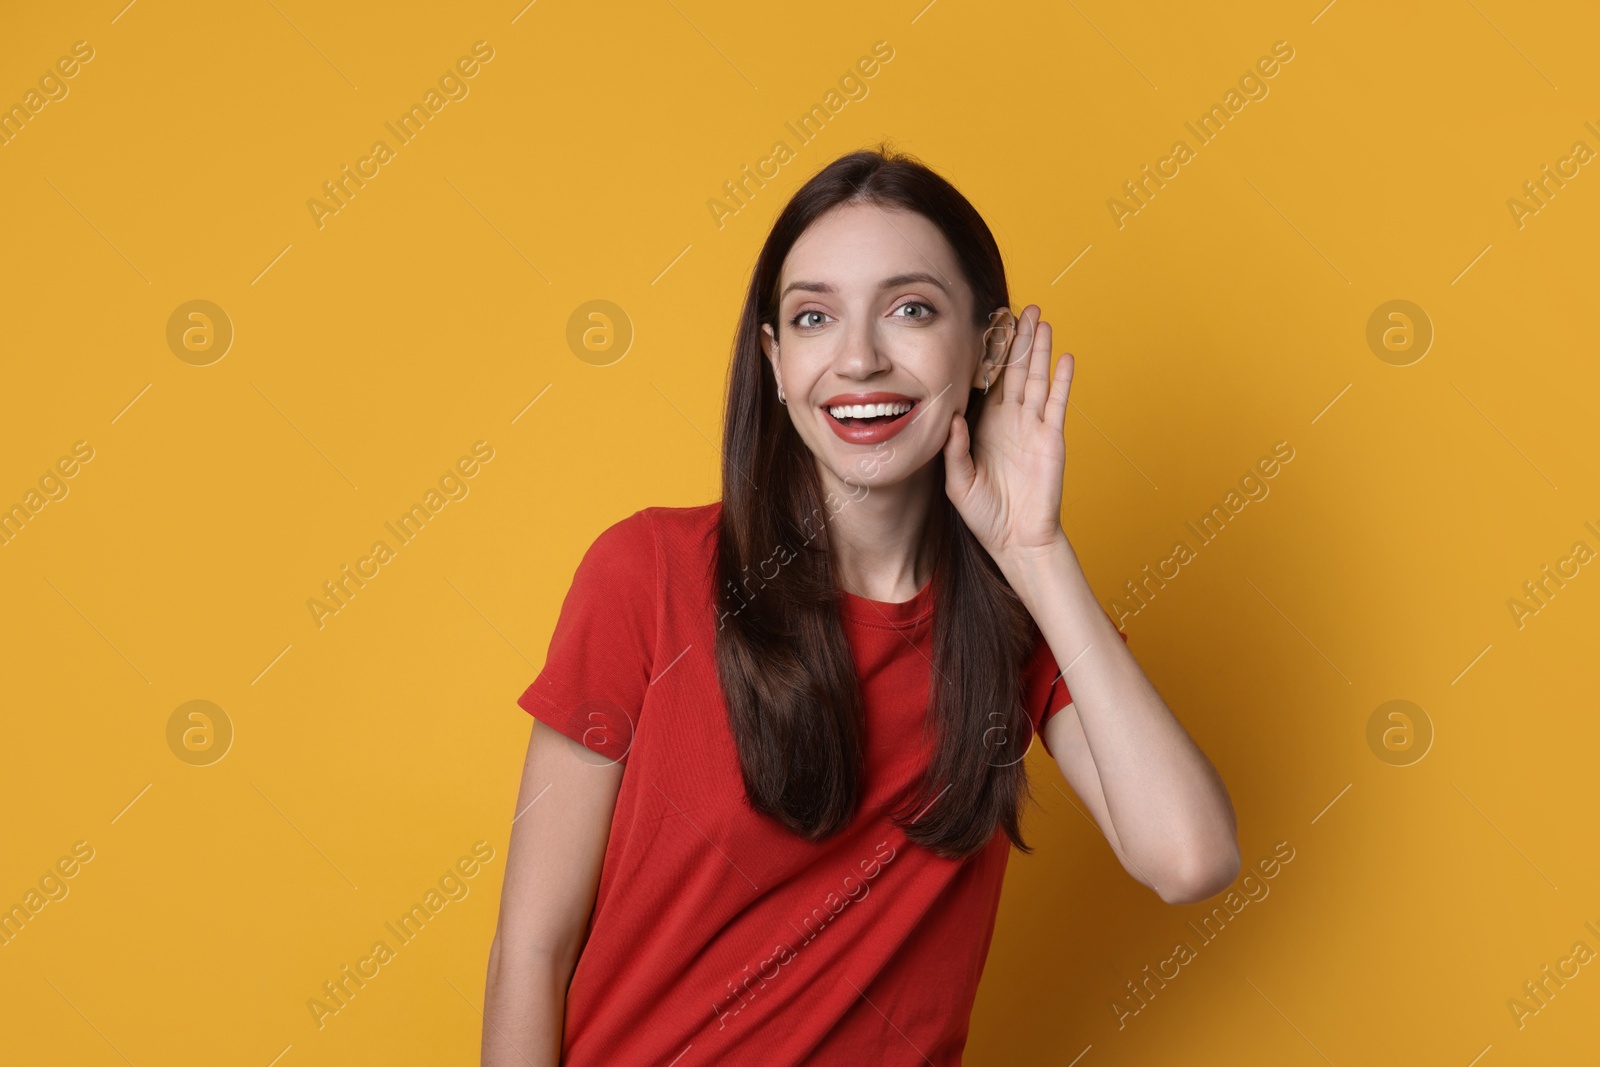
{"type": "Point", "coordinates": [868, 419]}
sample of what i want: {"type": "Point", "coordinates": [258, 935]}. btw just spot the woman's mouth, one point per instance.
{"type": "Point", "coordinates": [870, 414]}
{"type": "Point", "coordinates": [869, 423]}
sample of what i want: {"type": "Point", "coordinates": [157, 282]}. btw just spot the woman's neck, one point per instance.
{"type": "Point", "coordinates": [879, 536]}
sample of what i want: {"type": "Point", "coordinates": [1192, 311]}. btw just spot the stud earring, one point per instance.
{"type": "Point", "coordinates": [781, 399]}
{"type": "Point", "coordinates": [985, 383]}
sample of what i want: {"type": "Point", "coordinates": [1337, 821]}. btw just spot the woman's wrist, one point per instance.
{"type": "Point", "coordinates": [1033, 570]}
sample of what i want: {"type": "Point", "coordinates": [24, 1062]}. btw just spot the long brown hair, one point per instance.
{"type": "Point", "coordinates": [783, 660]}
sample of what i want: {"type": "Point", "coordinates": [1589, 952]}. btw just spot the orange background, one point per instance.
{"type": "Point", "coordinates": [368, 354]}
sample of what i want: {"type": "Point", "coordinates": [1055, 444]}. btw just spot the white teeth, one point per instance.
{"type": "Point", "coordinates": [868, 411]}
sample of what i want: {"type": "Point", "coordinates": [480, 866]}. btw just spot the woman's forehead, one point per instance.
{"type": "Point", "coordinates": [858, 246]}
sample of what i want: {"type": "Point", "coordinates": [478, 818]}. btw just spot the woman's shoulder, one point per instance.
{"type": "Point", "coordinates": [682, 531]}
{"type": "Point", "coordinates": [655, 523]}
{"type": "Point", "coordinates": [653, 541]}
{"type": "Point", "coordinates": [692, 519]}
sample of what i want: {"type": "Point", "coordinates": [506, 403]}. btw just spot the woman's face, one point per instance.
{"type": "Point", "coordinates": [876, 344]}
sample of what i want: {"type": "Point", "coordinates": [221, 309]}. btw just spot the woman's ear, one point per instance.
{"type": "Point", "coordinates": [996, 341]}
{"type": "Point", "coordinates": [769, 347]}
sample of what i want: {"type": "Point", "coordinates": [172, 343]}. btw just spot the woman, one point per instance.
{"type": "Point", "coordinates": [770, 815]}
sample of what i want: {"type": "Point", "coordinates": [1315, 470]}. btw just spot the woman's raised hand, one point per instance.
{"type": "Point", "coordinates": [1007, 483]}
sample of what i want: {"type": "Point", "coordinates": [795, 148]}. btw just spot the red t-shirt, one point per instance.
{"type": "Point", "coordinates": [717, 935]}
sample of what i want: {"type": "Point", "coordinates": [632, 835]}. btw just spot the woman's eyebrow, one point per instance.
{"type": "Point", "coordinates": [887, 283]}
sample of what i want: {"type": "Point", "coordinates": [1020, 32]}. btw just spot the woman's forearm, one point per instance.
{"type": "Point", "coordinates": [1167, 803]}
{"type": "Point", "coordinates": [524, 1006]}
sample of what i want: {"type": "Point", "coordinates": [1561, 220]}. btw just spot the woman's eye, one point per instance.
{"type": "Point", "coordinates": [802, 320]}
{"type": "Point", "coordinates": [925, 310]}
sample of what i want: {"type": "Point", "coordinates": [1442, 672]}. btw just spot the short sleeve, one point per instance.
{"type": "Point", "coordinates": [1046, 691]}
{"type": "Point", "coordinates": [602, 650]}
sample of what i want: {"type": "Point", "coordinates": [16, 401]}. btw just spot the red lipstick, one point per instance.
{"type": "Point", "coordinates": [869, 431]}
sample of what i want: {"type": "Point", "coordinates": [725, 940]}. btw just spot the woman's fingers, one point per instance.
{"type": "Point", "coordinates": [1055, 412]}
{"type": "Point", "coordinates": [1037, 386]}
{"type": "Point", "coordinates": [1016, 369]}
{"type": "Point", "coordinates": [960, 471]}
